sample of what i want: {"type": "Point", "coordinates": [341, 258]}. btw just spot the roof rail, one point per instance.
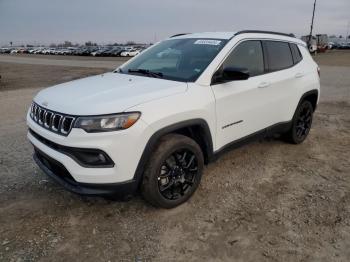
{"type": "Point", "coordinates": [179, 35]}
{"type": "Point", "coordinates": [263, 32]}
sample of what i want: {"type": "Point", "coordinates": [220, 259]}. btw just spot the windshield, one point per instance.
{"type": "Point", "coordinates": [175, 59]}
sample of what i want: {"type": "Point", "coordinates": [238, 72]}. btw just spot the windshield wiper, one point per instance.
{"type": "Point", "coordinates": [146, 72]}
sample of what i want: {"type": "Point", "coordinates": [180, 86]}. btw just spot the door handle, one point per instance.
{"type": "Point", "coordinates": [299, 75]}
{"type": "Point", "coordinates": [264, 84]}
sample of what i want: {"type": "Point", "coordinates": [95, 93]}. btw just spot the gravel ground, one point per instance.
{"type": "Point", "coordinates": [267, 201]}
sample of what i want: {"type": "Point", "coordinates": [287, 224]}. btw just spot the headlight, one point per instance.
{"type": "Point", "coordinates": [105, 123]}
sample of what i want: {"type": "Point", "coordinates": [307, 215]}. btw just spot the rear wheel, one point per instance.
{"type": "Point", "coordinates": [173, 172]}
{"type": "Point", "coordinates": [301, 123]}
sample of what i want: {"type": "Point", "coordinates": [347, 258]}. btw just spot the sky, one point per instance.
{"type": "Point", "coordinates": [110, 21]}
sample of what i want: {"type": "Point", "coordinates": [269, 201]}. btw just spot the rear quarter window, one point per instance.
{"type": "Point", "coordinates": [279, 55]}
{"type": "Point", "coordinates": [297, 57]}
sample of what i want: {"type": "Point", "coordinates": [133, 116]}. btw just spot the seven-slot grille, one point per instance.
{"type": "Point", "coordinates": [55, 122]}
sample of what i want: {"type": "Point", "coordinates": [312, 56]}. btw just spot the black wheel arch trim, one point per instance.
{"type": "Point", "coordinates": [152, 142]}
{"type": "Point", "coordinates": [306, 94]}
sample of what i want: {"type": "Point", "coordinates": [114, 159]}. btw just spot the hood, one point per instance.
{"type": "Point", "coordinates": [106, 94]}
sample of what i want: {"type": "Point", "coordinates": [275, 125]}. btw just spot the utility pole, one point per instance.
{"type": "Point", "coordinates": [312, 23]}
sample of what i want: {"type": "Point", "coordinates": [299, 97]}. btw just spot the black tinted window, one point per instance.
{"type": "Point", "coordinates": [297, 57]}
{"type": "Point", "coordinates": [247, 55]}
{"type": "Point", "coordinates": [279, 55]}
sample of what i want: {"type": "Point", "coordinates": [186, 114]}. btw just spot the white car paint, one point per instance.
{"type": "Point", "coordinates": [102, 91]}
{"type": "Point", "coordinates": [260, 102]}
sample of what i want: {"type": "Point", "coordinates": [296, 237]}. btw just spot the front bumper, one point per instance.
{"type": "Point", "coordinates": [60, 174]}
{"type": "Point", "coordinates": [125, 149]}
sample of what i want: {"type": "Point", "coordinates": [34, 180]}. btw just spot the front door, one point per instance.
{"type": "Point", "coordinates": [242, 106]}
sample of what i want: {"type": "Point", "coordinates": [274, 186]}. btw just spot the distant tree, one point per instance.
{"type": "Point", "coordinates": [332, 36]}
{"type": "Point", "coordinates": [340, 36]}
{"type": "Point", "coordinates": [11, 43]}
{"type": "Point", "coordinates": [67, 43]}
{"type": "Point", "coordinates": [53, 45]}
{"type": "Point", "coordinates": [130, 43]}
{"type": "Point", "coordinates": [89, 43]}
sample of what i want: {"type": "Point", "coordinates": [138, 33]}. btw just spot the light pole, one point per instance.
{"type": "Point", "coordinates": [312, 23]}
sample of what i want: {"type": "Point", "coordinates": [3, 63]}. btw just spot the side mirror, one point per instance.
{"type": "Point", "coordinates": [230, 74]}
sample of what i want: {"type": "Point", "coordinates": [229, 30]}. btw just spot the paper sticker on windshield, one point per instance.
{"type": "Point", "coordinates": [207, 42]}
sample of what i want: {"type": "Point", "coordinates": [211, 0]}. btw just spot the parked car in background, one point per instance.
{"type": "Point", "coordinates": [344, 46]}
{"type": "Point", "coordinates": [22, 51]}
{"type": "Point", "coordinates": [31, 50]}
{"type": "Point", "coordinates": [132, 52]}
{"type": "Point", "coordinates": [116, 51]}
{"type": "Point", "coordinates": [48, 51]}
{"type": "Point", "coordinates": [331, 45]}
{"type": "Point", "coordinates": [5, 50]}
{"type": "Point", "coordinates": [99, 52]}
{"type": "Point", "coordinates": [110, 50]}
{"type": "Point", "coordinates": [39, 51]}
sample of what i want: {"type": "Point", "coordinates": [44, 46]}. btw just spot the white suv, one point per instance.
{"type": "Point", "coordinates": [153, 123]}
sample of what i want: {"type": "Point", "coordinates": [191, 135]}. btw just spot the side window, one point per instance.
{"type": "Point", "coordinates": [297, 57]}
{"type": "Point", "coordinates": [247, 55]}
{"type": "Point", "coordinates": [279, 55]}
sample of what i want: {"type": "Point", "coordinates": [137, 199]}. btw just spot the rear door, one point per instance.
{"type": "Point", "coordinates": [284, 78]}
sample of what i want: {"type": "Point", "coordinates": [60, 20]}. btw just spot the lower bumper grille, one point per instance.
{"type": "Point", "coordinates": [61, 175]}
{"type": "Point", "coordinates": [54, 166]}
{"type": "Point", "coordinates": [86, 157]}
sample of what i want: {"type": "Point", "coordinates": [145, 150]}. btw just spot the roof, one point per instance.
{"type": "Point", "coordinates": [229, 35]}
{"type": "Point", "coordinates": [216, 35]}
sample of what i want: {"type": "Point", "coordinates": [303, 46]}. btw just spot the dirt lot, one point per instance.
{"type": "Point", "coordinates": [267, 201]}
{"type": "Point", "coordinates": [68, 61]}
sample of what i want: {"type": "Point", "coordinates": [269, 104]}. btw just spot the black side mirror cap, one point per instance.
{"type": "Point", "coordinates": [230, 74]}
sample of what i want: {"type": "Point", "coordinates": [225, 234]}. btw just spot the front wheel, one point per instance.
{"type": "Point", "coordinates": [301, 123]}
{"type": "Point", "coordinates": [174, 171]}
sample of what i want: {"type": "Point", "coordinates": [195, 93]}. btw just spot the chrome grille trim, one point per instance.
{"type": "Point", "coordinates": [41, 116]}
{"type": "Point", "coordinates": [66, 124]}
{"type": "Point", "coordinates": [48, 119]}
{"type": "Point", "coordinates": [56, 122]}
{"type": "Point", "coordinates": [56, 118]}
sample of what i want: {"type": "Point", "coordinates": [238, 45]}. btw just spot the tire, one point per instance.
{"type": "Point", "coordinates": [301, 123]}
{"type": "Point", "coordinates": [173, 172]}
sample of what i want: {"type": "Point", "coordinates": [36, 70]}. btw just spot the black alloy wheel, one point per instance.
{"type": "Point", "coordinates": [173, 172]}
{"type": "Point", "coordinates": [178, 174]}
{"type": "Point", "coordinates": [301, 123]}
